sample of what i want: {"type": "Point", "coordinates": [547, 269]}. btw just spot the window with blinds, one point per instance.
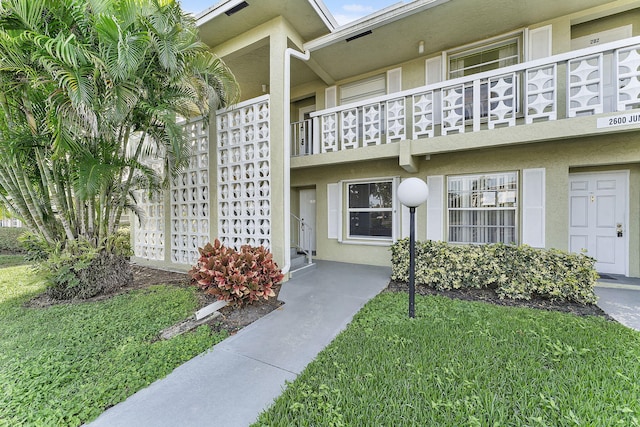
{"type": "Point", "coordinates": [485, 57]}
{"type": "Point", "coordinates": [483, 208]}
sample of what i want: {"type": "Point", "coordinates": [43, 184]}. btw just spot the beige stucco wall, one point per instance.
{"type": "Point", "coordinates": [559, 158]}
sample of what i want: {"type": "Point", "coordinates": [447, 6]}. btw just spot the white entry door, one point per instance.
{"type": "Point", "coordinates": [308, 217]}
{"type": "Point", "coordinates": [598, 218]}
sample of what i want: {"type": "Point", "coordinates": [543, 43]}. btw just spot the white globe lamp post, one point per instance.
{"type": "Point", "coordinates": [412, 192]}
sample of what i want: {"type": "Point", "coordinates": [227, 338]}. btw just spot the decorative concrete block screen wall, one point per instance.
{"type": "Point", "coordinates": [189, 201]}
{"type": "Point", "coordinates": [149, 232]}
{"type": "Point", "coordinates": [190, 198]}
{"type": "Point", "coordinates": [244, 180]}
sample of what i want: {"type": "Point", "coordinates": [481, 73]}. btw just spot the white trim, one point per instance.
{"type": "Point", "coordinates": [531, 37]}
{"type": "Point", "coordinates": [371, 22]}
{"type": "Point", "coordinates": [394, 80]}
{"type": "Point", "coordinates": [368, 242]}
{"type": "Point", "coordinates": [304, 110]}
{"type": "Point", "coordinates": [324, 13]}
{"type": "Point", "coordinates": [334, 210]}
{"type": "Point", "coordinates": [534, 207]}
{"type": "Point", "coordinates": [435, 208]}
{"type": "Point", "coordinates": [242, 104]}
{"type": "Point", "coordinates": [392, 209]}
{"type": "Point", "coordinates": [331, 97]}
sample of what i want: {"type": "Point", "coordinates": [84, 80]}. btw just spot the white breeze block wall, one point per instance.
{"type": "Point", "coordinates": [244, 175]}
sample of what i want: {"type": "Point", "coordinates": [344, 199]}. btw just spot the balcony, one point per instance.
{"type": "Point", "coordinates": [601, 79]}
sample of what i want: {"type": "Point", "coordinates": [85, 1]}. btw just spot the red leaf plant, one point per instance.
{"type": "Point", "coordinates": [236, 276]}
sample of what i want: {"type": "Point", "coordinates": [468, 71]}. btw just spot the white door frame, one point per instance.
{"type": "Point", "coordinates": [311, 223]}
{"type": "Point", "coordinates": [304, 110]}
{"type": "Point", "coordinates": [626, 174]}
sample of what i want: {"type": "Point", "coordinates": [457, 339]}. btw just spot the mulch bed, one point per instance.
{"type": "Point", "coordinates": [490, 296]}
{"type": "Point", "coordinates": [232, 319]}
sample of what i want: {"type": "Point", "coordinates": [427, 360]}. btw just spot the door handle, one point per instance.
{"type": "Point", "coordinates": [619, 230]}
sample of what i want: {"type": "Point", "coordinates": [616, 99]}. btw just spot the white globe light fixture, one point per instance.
{"type": "Point", "coordinates": [412, 192]}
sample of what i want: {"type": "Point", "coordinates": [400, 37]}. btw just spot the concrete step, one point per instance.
{"type": "Point", "coordinates": [301, 270]}
{"type": "Point", "coordinates": [298, 260]}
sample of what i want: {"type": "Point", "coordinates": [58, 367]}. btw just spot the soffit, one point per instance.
{"type": "Point", "coordinates": [251, 66]}
{"type": "Point", "coordinates": [444, 26]}
{"type": "Point", "coordinates": [216, 27]}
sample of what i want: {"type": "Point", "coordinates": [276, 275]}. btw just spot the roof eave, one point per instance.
{"type": "Point", "coordinates": [371, 22]}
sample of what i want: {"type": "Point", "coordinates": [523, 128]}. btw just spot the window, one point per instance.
{"type": "Point", "coordinates": [483, 208]}
{"type": "Point", "coordinates": [370, 209]}
{"type": "Point", "coordinates": [485, 57]}
{"type": "Point", "coordinates": [363, 89]}
{"type": "Point", "coordinates": [475, 59]}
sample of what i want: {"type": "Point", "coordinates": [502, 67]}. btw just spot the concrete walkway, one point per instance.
{"type": "Point", "coordinates": [619, 297]}
{"type": "Point", "coordinates": [231, 384]}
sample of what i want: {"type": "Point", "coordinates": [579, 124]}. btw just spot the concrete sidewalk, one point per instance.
{"type": "Point", "coordinates": [231, 384]}
{"type": "Point", "coordinates": [619, 297]}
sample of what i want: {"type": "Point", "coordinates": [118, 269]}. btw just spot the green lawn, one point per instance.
{"type": "Point", "coordinates": [62, 366]}
{"type": "Point", "coordinates": [467, 364]}
{"type": "Point", "coordinates": [11, 260]}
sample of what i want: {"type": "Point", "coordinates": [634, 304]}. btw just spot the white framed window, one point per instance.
{"type": "Point", "coordinates": [486, 56]}
{"type": "Point", "coordinates": [370, 209]}
{"type": "Point", "coordinates": [476, 58]}
{"type": "Point", "coordinates": [483, 208]}
{"type": "Point", "coordinates": [363, 89]}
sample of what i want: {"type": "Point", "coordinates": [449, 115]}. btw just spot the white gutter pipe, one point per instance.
{"type": "Point", "coordinates": [288, 53]}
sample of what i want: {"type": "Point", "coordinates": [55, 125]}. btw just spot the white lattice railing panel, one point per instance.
{"type": "Point", "coordinates": [149, 231]}
{"type": "Point", "coordinates": [584, 88]}
{"type": "Point", "coordinates": [628, 78]}
{"type": "Point", "coordinates": [423, 120]}
{"type": "Point", "coordinates": [529, 91]}
{"type": "Point", "coordinates": [541, 94]}
{"type": "Point", "coordinates": [396, 120]}
{"type": "Point", "coordinates": [453, 109]}
{"type": "Point", "coordinates": [349, 129]}
{"type": "Point", "coordinates": [329, 133]}
{"type": "Point", "coordinates": [190, 198]}
{"type": "Point", "coordinates": [244, 175]}
{"type": "Point", "coordinates": [371, 122]}
{"type": "Point", "coordinates": [502, 100]}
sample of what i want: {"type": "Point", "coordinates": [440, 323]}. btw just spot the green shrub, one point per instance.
{"type": "Point", "coordinates": [80, 270]}
{"type": "Point", "coordinates": [238, 277]}
{"type": "Point", "coordinates": [9, 242]}
{"type": "Point", "coordinates": [519, 272]}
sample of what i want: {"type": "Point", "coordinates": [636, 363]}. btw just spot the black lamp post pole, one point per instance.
{"type": "Point", "coordinates": [412, 262]}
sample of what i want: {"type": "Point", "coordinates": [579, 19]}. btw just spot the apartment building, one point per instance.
{"type": "Point", "coordinates": [523, 118]}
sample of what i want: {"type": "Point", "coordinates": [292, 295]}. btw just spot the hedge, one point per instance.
{"type": "Point", "coordinates": [9, 240]}
{"type": "Point", "coordinates": [518, 272]}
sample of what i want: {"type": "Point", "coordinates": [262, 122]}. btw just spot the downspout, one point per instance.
{"type": "Point", "coordinates": [288, 53]}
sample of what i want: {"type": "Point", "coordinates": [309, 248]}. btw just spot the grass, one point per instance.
{"type": "Point", "coordinates": [467, 364]}
{"type": "Point", "coordinates": [11, 260]}
{"type": "Point", "coordinates": [66, 364]}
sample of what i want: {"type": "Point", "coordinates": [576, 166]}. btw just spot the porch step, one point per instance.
{"type": "Point", "coordinates": [298, 260]}
{"type": "Point", "coordinates": [305, 268]}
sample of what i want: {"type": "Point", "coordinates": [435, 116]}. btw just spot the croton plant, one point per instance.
{"type": "Point", "coordinates": [239, 277]}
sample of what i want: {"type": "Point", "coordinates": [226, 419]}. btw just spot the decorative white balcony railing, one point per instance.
{"type": "Point", "coordinates": [594, 80]}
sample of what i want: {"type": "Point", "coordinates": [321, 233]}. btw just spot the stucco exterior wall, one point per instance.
{"type": "Point", "coordinates": [559, 158]}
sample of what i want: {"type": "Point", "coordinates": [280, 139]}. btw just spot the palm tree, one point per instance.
{"type": "Point", "coordinates": [89, 90]}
